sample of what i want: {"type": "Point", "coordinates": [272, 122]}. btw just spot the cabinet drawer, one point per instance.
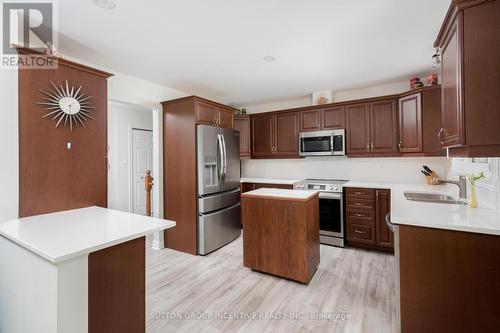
{"type": "Point", "coordinates": [360, 204]}
{"type": "Point", "coordinates": [361, 215]}
{"type": "Point", "coordinates": [361, 193]}
{"type": "Point", "coordinates": [361, 232]}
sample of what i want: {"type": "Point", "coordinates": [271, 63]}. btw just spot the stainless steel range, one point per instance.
{"type": "Point", "coordinates": [331, 208]}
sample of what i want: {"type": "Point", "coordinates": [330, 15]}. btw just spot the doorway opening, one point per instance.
{"type": "Point", "coordinates": [130, 154]}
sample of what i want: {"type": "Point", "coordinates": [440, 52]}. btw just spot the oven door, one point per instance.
{"type": "Point", "coordinates": [331, 215]}
{"type": "Point", "coordinates": [316, 144]}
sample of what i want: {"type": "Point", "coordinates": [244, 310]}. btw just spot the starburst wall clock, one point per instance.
{"type": "Point", "coordinates": [66, 105]}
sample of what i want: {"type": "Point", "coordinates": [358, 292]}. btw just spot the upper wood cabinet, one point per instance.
{"type": "Point", "coordinates": [322, 119]}
{"type": "Point", "coordinates": [334, 118]}
{"type": "Point", "coordinates": [453, 131]}
{"type": "Point", "coordinates": [470, 76]}
{"type": "Point", "coordinates": [310, 120]}
{"type": "Point", "coordinates": [212, 114]}
{"type": "Point", "coordinates": [372, 128]}
{"type": "Point", "coordinates": [242, 124]}
{"type": "Point", "coordinates": [262, 135]}
{"type": "Point", "coordinates": [410, 124]}
{"type": "Point", "coordinates": [275, 135]}
{"type": "Point", "coordinates": [420, 122]}
{"type": "Point", "coordinates": [383, 127]}
{"type": "Point", "coordinates": [286, 142]}
{"type": "Point", "coordinates": [358, 128]}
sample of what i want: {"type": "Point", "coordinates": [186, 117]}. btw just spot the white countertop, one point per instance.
{"type": "Point", "coordinates": [280, 193]}
{"type": "Point", "coordinates": [64, 235]}
{"type": "Point", "coordinates": [270, 181]}
{"type": "Point", "coordinates": [436, 215]}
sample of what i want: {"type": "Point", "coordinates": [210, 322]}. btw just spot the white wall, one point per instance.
{"type": "Point", "coordinates": [121, 119]}
{"type": "Point", "coordinates": [337, 96]}
{"type": "Point", "coordinates": [374, 91]}
{"type": "Point", "coordinates": [398, 170]}
{"type": "Point", "coordinates": [128, 89]}
{"type": "Point", "coordinates": [278, 105]}
{"type": "Point", "coordinates": [9, 164]}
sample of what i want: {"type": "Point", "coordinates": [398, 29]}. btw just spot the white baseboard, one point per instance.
{"type": "Point", "coordinates": [158, 242]}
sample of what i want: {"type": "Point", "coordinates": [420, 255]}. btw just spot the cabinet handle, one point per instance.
{"type": "Point", "coordinates": [371, 146]}
{"type": "Point", "coordinates": [399, 145]}
{"type": "Point", "coordinates": [358, 215]}
{"type": "Point", "coordinates": [441, 131]}
{"type": "Point", "coordinates": [368, 147]}
{"type": "Point", "coordinates": [358, 204]}
{"type": "Point", "coordinates": [359, 231]}
{"type": "Point", "coordinates": [358, 193]}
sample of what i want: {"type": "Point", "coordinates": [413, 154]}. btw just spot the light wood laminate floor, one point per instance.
{"type": "Point", "coordinates": [183, 291]}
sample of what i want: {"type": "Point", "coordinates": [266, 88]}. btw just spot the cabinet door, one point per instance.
{"type": "Point", "coordinates": [384, 235]}
{"type": "Point", "coordinates": [206, 114]}
{"type": "Point", "coordinates": [242, 124]}
{"type": "Point", "coordinates": [310, 120]}
{"type": "Point", "coordinates": [410, 124]}
{"type": "Point", "coordinates": [246, 187]}
{"type": "Point", "coordinates": [226, 118]}
{"type": "Point", "coordinates": [286, 134]}
{"type": "Point", "coordinates": [383, 127]}
{"type": "Point", "coordinates": [358, 128]}
{"type": "Point", "coordinates": [334, 118]}
{"type": "Point", "coordinates": [262, 135]}
{"type": "Point", "coordinates": [452, 133]}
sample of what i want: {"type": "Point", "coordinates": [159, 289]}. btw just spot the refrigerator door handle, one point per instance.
{"type": "Point", "coordinates": [220, 157]}
{"type": "Point", "coordinates": [224, 168]}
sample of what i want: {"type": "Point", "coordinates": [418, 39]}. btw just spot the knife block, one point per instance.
{"type": "Point", "coordinates": [433, 179]}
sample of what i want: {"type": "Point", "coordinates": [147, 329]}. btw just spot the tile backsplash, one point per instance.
{"type": "Point", "coordinates": [488, 190]}
{"type": "Point", "coordinates": [397, 170]}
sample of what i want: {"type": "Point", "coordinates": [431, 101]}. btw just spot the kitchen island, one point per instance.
{"type": "Point", "coordinates": [281, 232]}
{"type": "Point", "coordinates": [447, 267]}
{"type": "Point", "coordinates": [75, 271]}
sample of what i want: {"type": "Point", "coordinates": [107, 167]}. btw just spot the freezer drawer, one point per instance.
{"type": "Point", "coordinates": [218, 228]}
{"type": "Point", "coordinates": [210, 203]}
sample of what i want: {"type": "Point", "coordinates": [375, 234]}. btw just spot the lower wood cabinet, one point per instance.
{"type": "Point", "coordinates": [245, 187]}
{"type": "Point", "coordinates": [365, 218]}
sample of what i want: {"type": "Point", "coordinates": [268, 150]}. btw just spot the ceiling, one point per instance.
{"type": "Point", "coordinates": [215, 49]}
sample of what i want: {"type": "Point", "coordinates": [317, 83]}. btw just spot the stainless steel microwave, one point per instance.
{"type": "Point", "coordinates": [322, 143]}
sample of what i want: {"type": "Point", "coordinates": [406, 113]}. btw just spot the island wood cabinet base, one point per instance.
{"type": "Point", "coordinates": [102, 292]}
{"type": "Point", "coordinates": [281, 236]}
{"type": "Point", "coordinates": [117, 288]}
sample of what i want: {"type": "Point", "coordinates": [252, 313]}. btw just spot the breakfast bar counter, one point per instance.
{"type": "Point", "coordinates": [75, 271]}
{"type": "Point", "coordinates": [281, 232]}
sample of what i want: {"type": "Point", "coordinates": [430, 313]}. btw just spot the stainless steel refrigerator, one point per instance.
{"type": "Point", "coordinates": [218, 173]}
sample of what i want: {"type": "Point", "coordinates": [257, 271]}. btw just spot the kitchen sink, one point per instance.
{"type": "Point", "coordinates": [432, 197]}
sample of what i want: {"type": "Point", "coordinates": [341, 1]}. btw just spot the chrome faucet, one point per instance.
{"type": "Point", "coordinates": [461, 183]}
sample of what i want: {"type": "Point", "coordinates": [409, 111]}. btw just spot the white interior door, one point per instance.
{"type": "Point", "coordinates": [142, 160]}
